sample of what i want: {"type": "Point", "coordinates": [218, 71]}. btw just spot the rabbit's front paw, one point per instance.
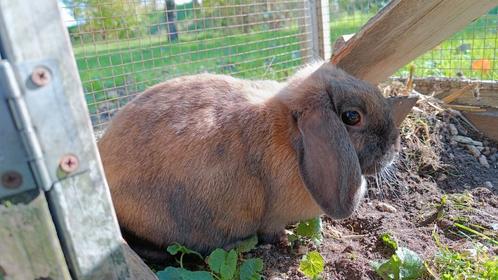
{"type": "Point", "coordinates": [278, 238]}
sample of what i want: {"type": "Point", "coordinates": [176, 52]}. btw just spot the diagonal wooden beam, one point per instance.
{"type": "Point", "coordinates": [402, 31]}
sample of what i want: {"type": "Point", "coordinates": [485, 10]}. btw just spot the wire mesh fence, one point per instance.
{"type": "Point", "coordinates": [124, 46]}
{"type": "Point", "coordinates": [470, 53]}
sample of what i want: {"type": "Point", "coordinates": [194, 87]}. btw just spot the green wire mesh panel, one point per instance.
{"type": "Point", "coordinates": [470, 53]}
{"type": "Point", "coordinates": [124, 46]}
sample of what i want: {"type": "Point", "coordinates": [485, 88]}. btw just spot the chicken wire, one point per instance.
{"type": "Point", "coordinates": [122, 47]}
{"type": "Point", "coordinates": [470, 53]}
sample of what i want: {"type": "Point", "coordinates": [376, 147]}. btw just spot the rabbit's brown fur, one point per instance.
{"type": "Point", "coordinates": [208, 160]}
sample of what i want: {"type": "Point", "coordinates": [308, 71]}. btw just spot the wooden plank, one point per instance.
{"type": "Point", "coordinates": [430, 84]}
{"type": "Point", "coordinates": [27, 231]}
{"type": "Point", "coordinates": [139, 270]}
{"type": "Point", "coordinates": [402, 31]}
{"type": "Point", "coordinates": [29, 248]}
{"type": "Point", "coordinates": [456, 94]}
{"type": "Point", "coordinates": [442, 87]}
{"type": "Point", "coordinates": [465, 108]}
{"type": "Point", "coordinates": [487, 98]}
{"type": "Point", "coordinates": [486, 122]}
{"type": "Point", "coordinates": [80, 203]}
{"type": "Point", "coordinates": [305, 30]}
{"type": "Point", "coordinates": [314, 23]}
{"type": "Point", "coordinates": [322, 18]}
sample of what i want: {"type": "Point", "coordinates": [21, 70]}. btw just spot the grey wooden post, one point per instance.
{"type": "Point", "coordinates": [52, 120]}
{"type": "Point", "coordinates": [29, 247]}
{"type": "Point", "coordinates": [319, 22]}
{"type": "Point", "coordinates": [323, 22]}
{"type": "Point", "coordinates": [314, 24]}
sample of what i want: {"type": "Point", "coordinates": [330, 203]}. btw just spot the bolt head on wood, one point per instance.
{"type": "Point", "coordinates": [11, 179]}
{"type": "Point", "coordinates": [69, 163]}
{"type": "Point", "coordinates": [41, 76]}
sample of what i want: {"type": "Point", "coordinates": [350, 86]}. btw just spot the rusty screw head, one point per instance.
{"type": "Point", "coordinates": [11, 179]}
{"type": "Point", "coordinates": [41, 76]}
{"type": "Point", "coordinates": [69, 163]}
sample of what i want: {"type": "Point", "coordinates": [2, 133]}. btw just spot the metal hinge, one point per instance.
{"type": "Point", "coordinates": [32, 112]}
{"type": "Point", "coordinates": [16, 133]}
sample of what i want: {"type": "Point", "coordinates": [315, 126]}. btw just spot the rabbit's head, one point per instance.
{"type": "Point", "coordinates": [345, 128]}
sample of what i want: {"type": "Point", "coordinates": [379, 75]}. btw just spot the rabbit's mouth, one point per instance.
{"type": "Point", "coordinates": [376, 166]}
{"type": "Point", "coordinates": [374, 158]}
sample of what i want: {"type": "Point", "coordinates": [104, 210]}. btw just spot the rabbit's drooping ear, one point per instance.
{"type": "Point", "coordinates": [328, 162]}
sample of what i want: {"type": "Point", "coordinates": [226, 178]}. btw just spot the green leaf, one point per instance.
{"type": "Point", "coordinates": [376, 264]}
{"type": "Point", "coordinates": [223, 263]}
{"type": "Point", "coordinates": [177, 248]}
{"type": "Point", "coordinates": [291, 236]}
{"type": "Point", "coordinates": [174, 249]}
{"type": "Point", "coordinates": [176, 273]}
{"type": "Point", "coordinates": [312, 264]}
{"type": "Point", "coordinates": [389, 269]}
{"type": "Point", "coordinates": [412, 266]}
{"type": "Point", "coordinates": [404, 265]}
{"type": "Point", "coordinates": [251, 269]}
{"type": "Point", "coordinates": [389, 241]}
{"type": "Point", "coordinates": [311, 229]}
{"type": "Point", "coordinates": [247, 245]}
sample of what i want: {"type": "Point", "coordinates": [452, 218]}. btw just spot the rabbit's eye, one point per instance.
{"type": "Point", "coordinates": [351, 117]}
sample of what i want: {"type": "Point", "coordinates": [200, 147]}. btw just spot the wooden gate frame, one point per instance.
{"type": "Point", "coordinates": [56, 216]}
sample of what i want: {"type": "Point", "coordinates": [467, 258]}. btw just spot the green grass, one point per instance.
{"type": "Point", "coordinates": [453, 265]}
{"type": "Point", "coordinates": [445, 60]}
{"type": "Point", "coordinates": [134, 65]}
{"type": "Point", "coordinates": [473, 263]}
{"type": "Point", "coordinates": [110, 70]}
{"type": "Point", "coordinates": [343, 24]}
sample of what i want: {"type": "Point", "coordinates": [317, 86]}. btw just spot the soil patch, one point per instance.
{"type": "Point", "coordinates": [435, 161]}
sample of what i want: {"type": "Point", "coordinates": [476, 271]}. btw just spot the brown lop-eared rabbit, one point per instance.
{"type": "Point", "coordinates": [210, 160]}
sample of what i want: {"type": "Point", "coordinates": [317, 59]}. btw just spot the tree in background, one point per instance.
{"type": "Point", "coordinates": [108, 19]}
{"type": "Point", "coordinates": [277, 14]}
{"type": "Point", "coordinates": [170, 14]}
{"type": "Point", "coordinates": [247, 15]}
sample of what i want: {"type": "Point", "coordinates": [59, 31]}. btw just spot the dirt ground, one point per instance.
{"type": "Point", "coordinates": [442, 156]}
{"type": "Point", "coordinates": [431, 164]}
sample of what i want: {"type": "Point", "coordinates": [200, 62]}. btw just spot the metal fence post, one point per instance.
{"type": "Point", "coordinates": [52, 120]}
{"type": "Point", "coordinates": [320, 29]}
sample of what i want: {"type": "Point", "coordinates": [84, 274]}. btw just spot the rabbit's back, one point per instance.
{"type": "Point", "coordinates": [183, 161]}
{"type": "Point", "coordinates": [209, 160]}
